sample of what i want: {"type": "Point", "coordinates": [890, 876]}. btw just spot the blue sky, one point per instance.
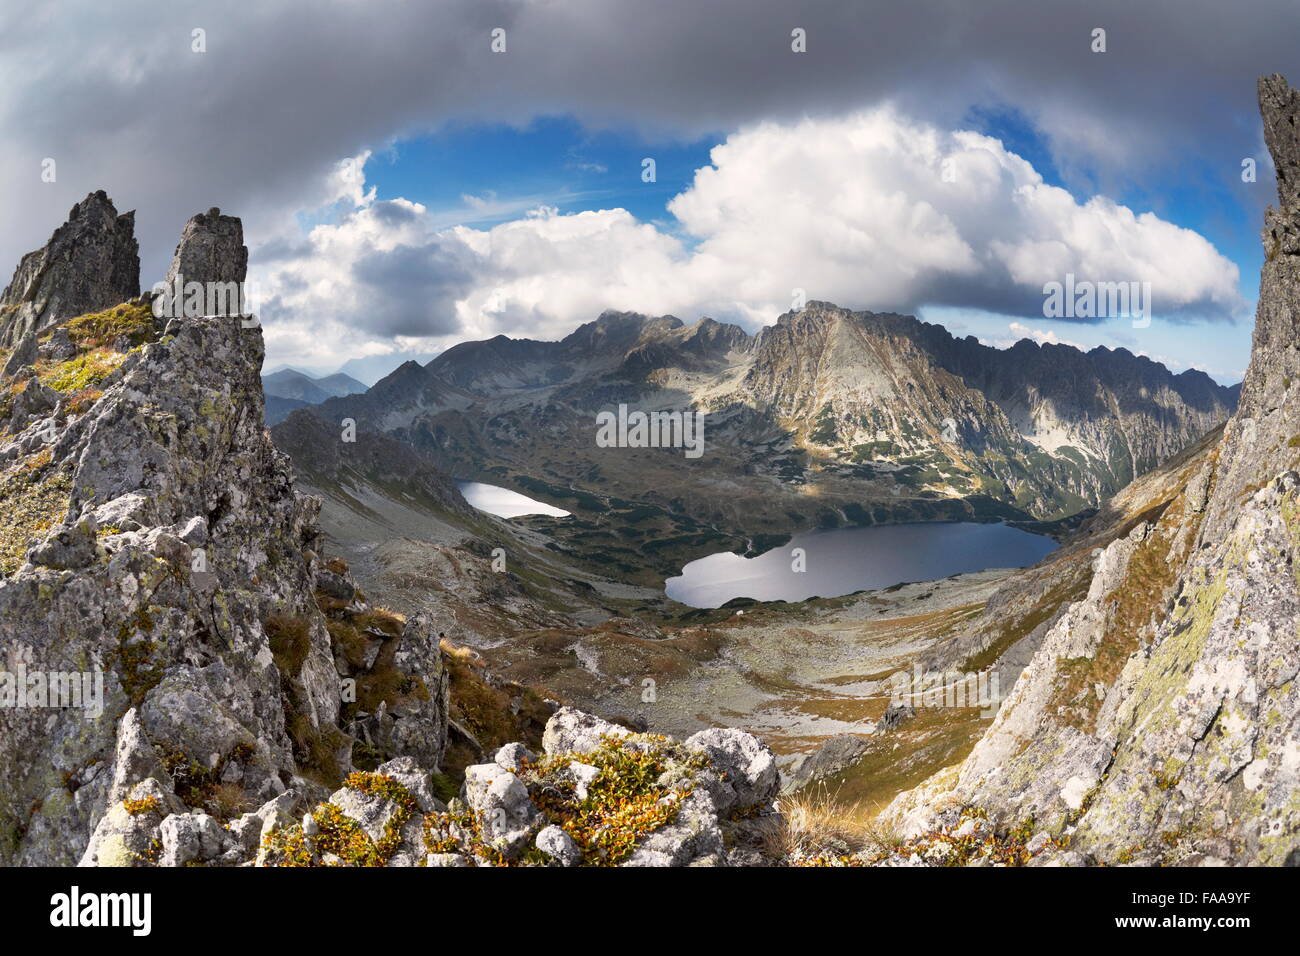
{"type": "Point", "coordinates": [552, 160]}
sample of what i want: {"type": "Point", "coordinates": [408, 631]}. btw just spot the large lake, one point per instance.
{"type": "Point", "coordinates": [843, 560]}
{"type": "Point", "coordinates": [503, 502]}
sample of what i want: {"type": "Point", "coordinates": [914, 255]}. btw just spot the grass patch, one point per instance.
{"type": "Point", "coordinates": [33, 498]}
{"type": "Point", "coordinates": [83, 400]}
{"type": "Point", "coordinates": [290, 640]}
{"type": "Point", "coordinates": [495, 713]}
{"type": "Point", "coordinates": [936, 738]}
{"type": "Point", "coordinates": [201, 786]}
{"type": "Point", "coordinates": [1074, 588]}
{"type": "Point", "coordinates": [134, 320]}
{"type": "Point", "coordinates": [82, 372]}
{"type": "Point", "coordinates": [1141, 597]}
{"type": "Point", "coordinates": [817, 829]}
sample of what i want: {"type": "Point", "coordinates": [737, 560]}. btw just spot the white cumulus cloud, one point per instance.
{"type": "Point", "coordinates": [870, 210]}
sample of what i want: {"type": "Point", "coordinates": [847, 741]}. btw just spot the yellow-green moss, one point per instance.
{"type": "Point", "coordinates": [340, 835]}
{"type": "Point", "coordinates": [81, 372]}
{"type": "Point", "coordinates": [1005, 847]}
{"type": "Point", "coordinates": [132, 319]}
{"type": "Point", "coordinates": [624, 803]}
{"type": "Point", "coordinates": [133, 658]}
{"type": "Point", "coordinates": [33, 498]}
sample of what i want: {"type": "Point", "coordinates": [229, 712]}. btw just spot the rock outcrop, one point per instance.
{"type": "Point", "coordinates": [598, 795]}
{"type": "Point", "coordinates": [211, 250]}
{"type": "Point", "coordinates": [90, 263]}
{"type": "Point", "coordinates": [1159, 720]}
{"type": "Point", "coordinates": [154, 546]}
{"type": "Point", "coordinates": [238, 698]}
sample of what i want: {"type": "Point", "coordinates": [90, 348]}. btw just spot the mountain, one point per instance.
{"type": "Point", "coordinates": [278, 409]}
{"type": "Point", "coordinates": [340, 384]}
{"type": "Point", "coordinates": [198, 682]}
{"type": "Point", "coordinates": [291, 383]}
{"type": "Point", "coordinates": [372, 368]}
{"type": "Point", "coordinates": [293, 389]}
{"type": "Point", "coordinates": [241, 698]}
{"type": "Point", "coordinates": [828, 417]}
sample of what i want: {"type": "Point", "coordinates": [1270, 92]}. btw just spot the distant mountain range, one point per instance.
{"type": "Point", "coordinates": [827, 417]}
{"type": "Point", "coordinates": [289, 388]}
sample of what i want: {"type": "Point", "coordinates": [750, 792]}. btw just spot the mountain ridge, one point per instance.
{"type": "Point", "coordinates": [888, 418]}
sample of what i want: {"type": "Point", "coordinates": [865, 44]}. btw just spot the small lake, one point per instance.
{"type": "Point", "coordinates": [503, 502]}
{"type": "Point", "coordinates": [843, 560]}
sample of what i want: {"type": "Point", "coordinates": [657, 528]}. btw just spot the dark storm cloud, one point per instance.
{"type": "Point", "coordinates": [411, 290]}
{"type": "Point", "coordinates": [114, 94]}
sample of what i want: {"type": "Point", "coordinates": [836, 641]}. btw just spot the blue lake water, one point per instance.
{"type": "Point", "coordinates": [843, 560]}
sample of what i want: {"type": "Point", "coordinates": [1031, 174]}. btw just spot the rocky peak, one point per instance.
{"type": "Point", "coordinates": [1274, 357]}
{"type": "Point", "coordinates": [1259, 441]}
{"type": "Point", "coordinates": [90, 263]}
{"type": "Point", "coordinates": [211, 250]}
{"type": "Point", "coordinates": [618, 331]}
{"type": "Point", "coordinates": [153, 540]}
{"type": "Point", "coordinates": [1279, 104]}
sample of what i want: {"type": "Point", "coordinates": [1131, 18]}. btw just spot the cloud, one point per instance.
{"type": "Point", "coordinates": [254, 125]}
{"type": "Point", "coordinates": [375, 282]}
{"type": "Point", "coordinates": [871, 210]}
{"type": "Point", "coordinates": [888, 212]}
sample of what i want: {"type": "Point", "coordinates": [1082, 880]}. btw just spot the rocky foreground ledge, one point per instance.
{"type": "Point", "coordinates": [598, 794]}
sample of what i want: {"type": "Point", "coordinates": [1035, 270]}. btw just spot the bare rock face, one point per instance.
{"type": "Point", "coordinates": [199, 638]}
{"type": "Point", "coordinates": [91, 262]}
{"type": "Point", "coordinates": [211, 250]}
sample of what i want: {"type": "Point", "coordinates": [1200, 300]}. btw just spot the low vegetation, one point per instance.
{"type": "Point", "coordinates": [132, 322]}
{"type": "Point", "coordinates": [34, 497]}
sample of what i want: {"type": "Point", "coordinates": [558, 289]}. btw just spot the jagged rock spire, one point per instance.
{"type": "Point", "coordinates": [1274, 363]}
{"type": "Point", "coordinates": [1279, 106]}
{"type": "Point", "coordinates": [91, 262]}
{"type": "Point", "coordinates": [211, 250]}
